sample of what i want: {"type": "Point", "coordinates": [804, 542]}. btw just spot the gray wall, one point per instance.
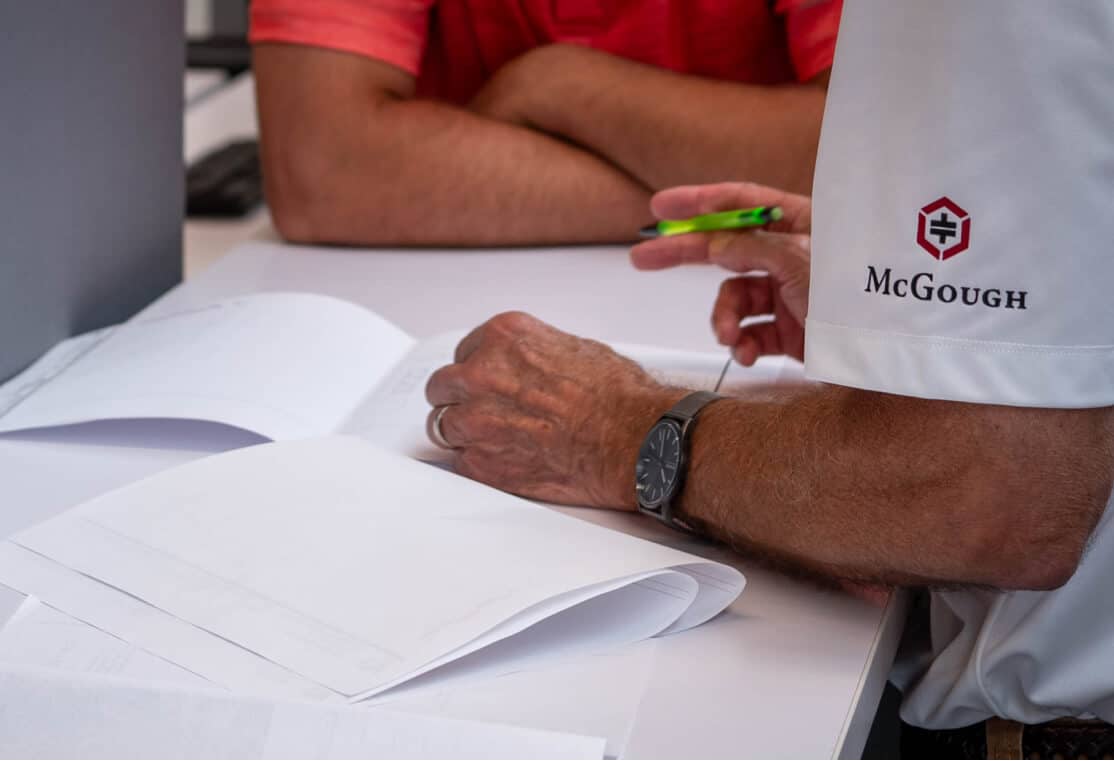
{"type": "Point", "coordinates": [91, 178]}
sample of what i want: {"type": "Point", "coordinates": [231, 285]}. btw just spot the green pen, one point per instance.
{"type": "Point", "coordinates": [720, 220]}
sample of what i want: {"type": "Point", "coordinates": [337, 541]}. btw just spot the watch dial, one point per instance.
{"type": "Point", "coordinates": [659, 462]}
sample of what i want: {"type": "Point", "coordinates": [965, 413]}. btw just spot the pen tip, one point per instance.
{"type": "Point", "coordinates": [649, 231]}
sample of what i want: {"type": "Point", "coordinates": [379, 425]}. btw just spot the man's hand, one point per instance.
{"type": "Point", "coordinates": [544, 414]}
{"type": "Point", "coordinates": [522, 90]}
{"type": "Point", "coordinates": [778, 297]}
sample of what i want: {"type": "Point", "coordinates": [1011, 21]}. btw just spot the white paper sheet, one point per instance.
{"type": "Point", "coordinates": [595, 695]}
{"type": "Point", "coordinates": [153, 630]}
{"type": "Point", "coordinates": [41, 637]}
{"type": "Point", "coordinates": [393, 414]}
{"type": "Point", "coordinates": [358, 569]}
{"type": "Point", "coordinates": [46, 714]}
{"type": "Point", "coordinates": [283, 365]}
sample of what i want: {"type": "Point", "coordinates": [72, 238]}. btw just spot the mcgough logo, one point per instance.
{"type": "Point", "coordinates": [923, 287]}
{"type": "Point", "coordinates": [943, 228]}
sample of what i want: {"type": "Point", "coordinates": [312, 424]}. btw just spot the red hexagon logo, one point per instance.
{"type": "Point", "coordinates": [943, 228]}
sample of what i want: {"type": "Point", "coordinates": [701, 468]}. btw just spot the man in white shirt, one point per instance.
{"type": "Point", "coordinates": [960, 324]}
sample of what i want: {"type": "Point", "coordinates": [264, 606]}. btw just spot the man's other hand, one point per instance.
{"type": "Point", "coordinates": [519, 91]}
{"type": "Point", "coordinates": [778, 257]}
{"type": "Point", "coordinates": [546, 415]}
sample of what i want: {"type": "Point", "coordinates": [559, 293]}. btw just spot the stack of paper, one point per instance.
{"type": "Point", "coordinates": [46, 714]}
{"type": "Point", "coordinates": [331, 568]}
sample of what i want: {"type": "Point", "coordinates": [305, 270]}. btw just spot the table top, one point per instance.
{"type": "Point", "coordinates": [788, 670]}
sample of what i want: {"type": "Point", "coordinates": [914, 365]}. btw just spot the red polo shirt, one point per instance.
{"type": "Point", "coordinates": [453, 46]}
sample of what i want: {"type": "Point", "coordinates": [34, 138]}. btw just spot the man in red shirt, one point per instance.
{"type": "Point", "coordinates": [479, 122]}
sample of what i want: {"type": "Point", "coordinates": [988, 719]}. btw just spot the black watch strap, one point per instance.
{"type": "Point", "coordinates": [683, 412]}
{"type": "Point", "coordinates": [690, 406]}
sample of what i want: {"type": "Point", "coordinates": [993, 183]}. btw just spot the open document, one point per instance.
{"type": "Point", "coordinates": [50, 714]}
{"type": "Point", "coordinates": [335, 563]}
{"type": "Point", "coordinates": [280, 365]}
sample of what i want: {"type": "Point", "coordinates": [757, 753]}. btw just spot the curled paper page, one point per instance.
{"type": "Point", "coordinates": [358, 569]}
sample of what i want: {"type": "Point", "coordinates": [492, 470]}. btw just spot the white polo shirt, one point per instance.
{"type": "Point", "coordinates": [963, 249]}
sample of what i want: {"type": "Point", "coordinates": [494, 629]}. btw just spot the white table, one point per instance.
{"type": "Point", "coordinates": [788, 671]}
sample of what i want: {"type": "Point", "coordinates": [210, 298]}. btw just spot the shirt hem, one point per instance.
{"type": "Point", "coordinates": [387, 40]}
{"type": "Point", "coordinates": [961, 370]}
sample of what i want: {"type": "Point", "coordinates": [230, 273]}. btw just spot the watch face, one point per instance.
{"type": "Point", "coordinates": [659, 462]}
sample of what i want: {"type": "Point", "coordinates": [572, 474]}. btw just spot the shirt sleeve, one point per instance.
{"type": "Point", "coordinates": [963, 218]}
{"type": "Point", "coordinates": [811, 27]}
{"type": "Point", "coordinates": [393, 31]}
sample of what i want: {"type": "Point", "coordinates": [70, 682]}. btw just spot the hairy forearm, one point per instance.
{"type": "Point", "coordinates": [672, 129]}
{"type": "Point", "coordinates": [424, 173]}
{"type": "Point", "coordinates": [350, 157]}
{"type": "Point", "coordinates": [875, 488]}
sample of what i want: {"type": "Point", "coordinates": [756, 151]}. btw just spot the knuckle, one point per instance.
{"type": "Point", "coordinates": [434, 387]}
{"type": "Point", "coordinates": [464, 347]}
{"type": "Point", "coordinates": [596, 348]}
{"type": "Point", "coordinates": [472, 376]}
{"type": "Point", "coordinates": [512, 322]}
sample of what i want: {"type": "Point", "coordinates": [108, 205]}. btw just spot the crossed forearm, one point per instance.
{"type": "Point", "coordinates": [666, 128]}
{"type": "Point", "coordinates": [874, 488]}
{"type": "Point", "coordinates": [351, 157]}
{"type": "Point", "coordinates": [423, 173]}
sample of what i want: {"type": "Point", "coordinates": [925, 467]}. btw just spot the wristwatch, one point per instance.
{"type": "Point", "coordinates": [663, 459]}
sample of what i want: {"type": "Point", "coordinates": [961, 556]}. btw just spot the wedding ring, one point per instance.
{"type": "Point", "coordinates": [435, 429]}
